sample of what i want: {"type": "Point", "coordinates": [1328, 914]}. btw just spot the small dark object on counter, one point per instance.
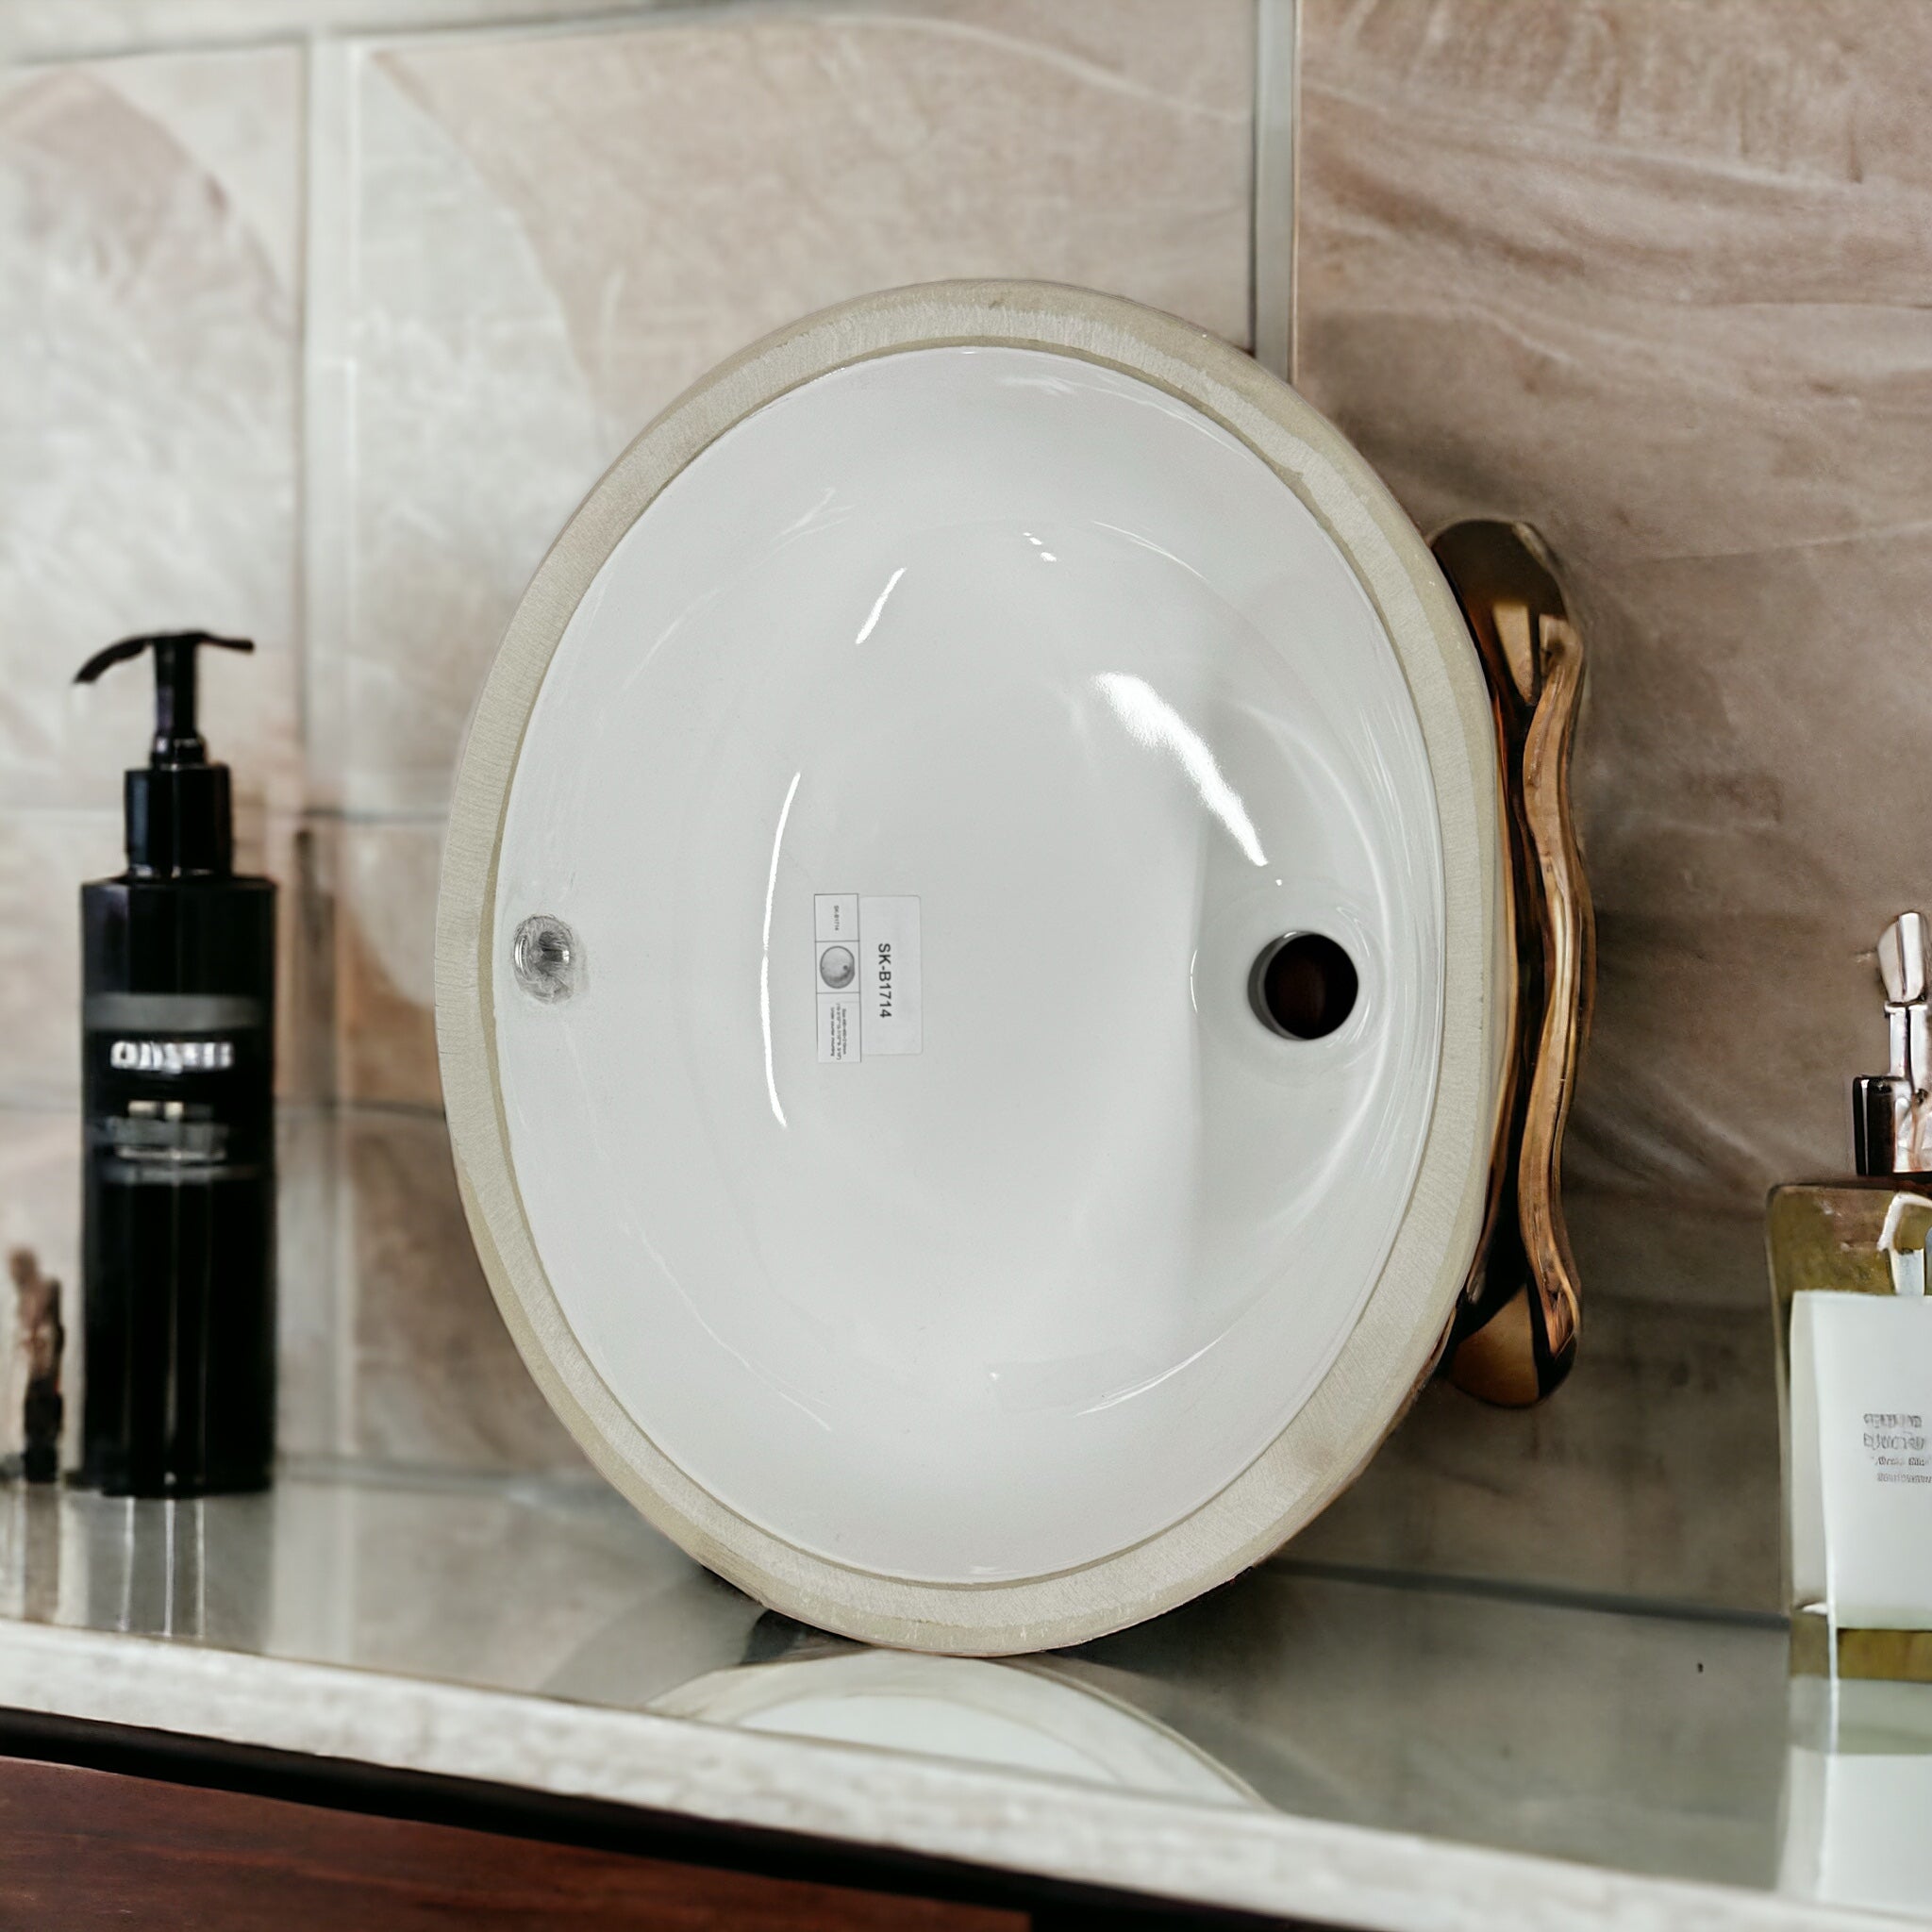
{"type": "Point", "coordinates": [177, 1090]}
{"type": "Point", "coordinates": [40, 1339]}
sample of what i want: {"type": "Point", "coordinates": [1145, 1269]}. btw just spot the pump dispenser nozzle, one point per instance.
{"type": "Point", "coordinates": [178, 806]}
{"type": "Point", "coordinates": [1892, 1112]}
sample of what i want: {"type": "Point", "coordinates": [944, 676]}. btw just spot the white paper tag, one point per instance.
{"type": "Point", "coordinates": [865, 971]}
{"type": "Point", "coordinates": [1861, 1456]}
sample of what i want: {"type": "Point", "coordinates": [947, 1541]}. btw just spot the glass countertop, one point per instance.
{"type": "Point", "coordinates": [1634, 1737]}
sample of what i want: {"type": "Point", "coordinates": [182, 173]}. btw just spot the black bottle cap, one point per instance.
{"type": "Point", "coordinates": [179, 818]}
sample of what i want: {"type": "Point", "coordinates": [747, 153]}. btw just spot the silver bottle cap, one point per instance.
{"type": "Point", "coordinates": [1892, 1111]}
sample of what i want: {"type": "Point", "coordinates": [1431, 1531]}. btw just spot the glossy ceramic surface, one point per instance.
{"type": "Point", "coordinates": [1047, 679]}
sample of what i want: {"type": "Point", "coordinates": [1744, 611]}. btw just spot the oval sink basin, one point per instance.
{"type": "Point", "coordinates": [965, 968]}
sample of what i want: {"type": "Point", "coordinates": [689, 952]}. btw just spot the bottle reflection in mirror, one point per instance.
{"type": "Point", "coordinates": [200, 1569]}
{"type": "Point", "coordinates": [31, 1571]}
{"type": "Point", "coordinates": [1858, 1791]}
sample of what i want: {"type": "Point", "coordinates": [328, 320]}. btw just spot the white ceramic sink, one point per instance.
{"type": "Point", "coordinates": [883, 1128]}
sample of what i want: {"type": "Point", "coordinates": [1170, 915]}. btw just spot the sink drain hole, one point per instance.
{"type": "Point", "coordinates": [546, 958]}
{"type": "Point", "coordinates": [1303, 986]}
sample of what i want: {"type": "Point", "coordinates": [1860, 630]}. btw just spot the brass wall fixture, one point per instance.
{"type": "Point", "coordinates": [1514, 1338]}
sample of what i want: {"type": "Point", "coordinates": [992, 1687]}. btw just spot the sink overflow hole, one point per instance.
{"type": "Point", "coordinates": [1303, 986]}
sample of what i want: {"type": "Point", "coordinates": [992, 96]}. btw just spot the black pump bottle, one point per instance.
{"type": "Point", "coordinates": [177, 1090]}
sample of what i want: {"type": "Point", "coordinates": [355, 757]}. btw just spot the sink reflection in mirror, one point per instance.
{"type": "Point", "coordinates": [1032, 1716]}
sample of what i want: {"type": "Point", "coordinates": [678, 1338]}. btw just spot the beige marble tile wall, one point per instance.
{"type": "Point", "coordinates": [150, 308]}
{"type": "Point", "coordinates": [548, 237]}
{"type": "Point", "coordinates": [1657, 276]}
{"type": "Point", "coordinates": [350, 418]}
{"type": "Point", "coordinates": [554, 235]}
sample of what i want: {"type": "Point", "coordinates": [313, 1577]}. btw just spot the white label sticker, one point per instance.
{"type": "Point", "coordinates": [835, 916]}
{"type": "Point", "coordinates": [889, 975]}
{"type": "Point", "coordinates": [865, 972]}
{"type": "Point", "coordinates": [838, 1028]}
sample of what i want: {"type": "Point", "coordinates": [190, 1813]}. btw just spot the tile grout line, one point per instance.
{"type": "Point", "coordinates": [229, 27]}
{"type": "Point", "coordinates": [630, 16]}
{"type": "Point", "coordinates": [1276, 185]}
{"type": "Point", "coordinates": [329, 391]}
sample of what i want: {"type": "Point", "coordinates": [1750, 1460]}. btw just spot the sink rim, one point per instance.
{"type": "Point", "coordinates": [1397, 1338]}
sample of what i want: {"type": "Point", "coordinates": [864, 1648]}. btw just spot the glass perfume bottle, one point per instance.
{"type": "Point", "coordinates": [1854, 1360]}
